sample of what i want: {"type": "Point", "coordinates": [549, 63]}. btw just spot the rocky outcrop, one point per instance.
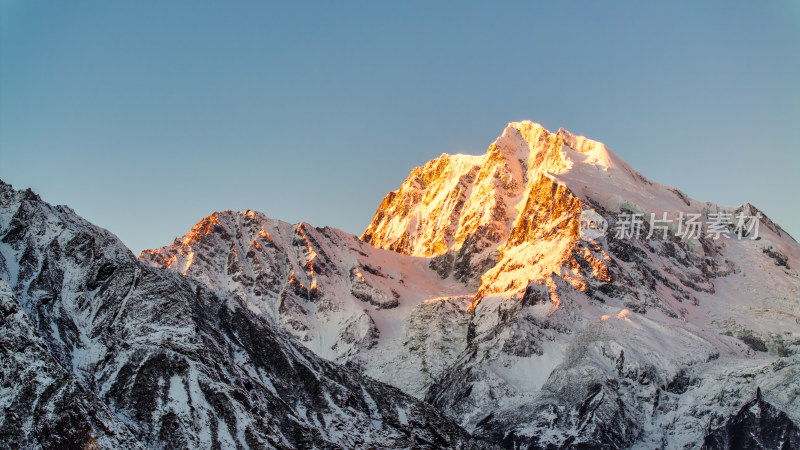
{"type": "Point", "coordinates": [757, 425]}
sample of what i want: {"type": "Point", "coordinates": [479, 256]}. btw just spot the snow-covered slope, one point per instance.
{"type": "Point", "coordinates": [102, 350]}
{"type": "Point", "coordinates": [343, 299]}
{"type": "Point", "coordinates": [492, 301]}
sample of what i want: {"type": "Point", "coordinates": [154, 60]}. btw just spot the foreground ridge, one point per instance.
{"type": "Point", "coordinates": [100, 350]}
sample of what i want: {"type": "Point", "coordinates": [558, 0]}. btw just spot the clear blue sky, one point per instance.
{"type": "Point", "coordinates": [146, 116]}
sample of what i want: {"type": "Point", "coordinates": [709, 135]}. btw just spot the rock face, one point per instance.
{"type": "Point", "coordinates": [460, 209]}
{"type": "Point", "coordinates": [757, 425]}
{"type": "Point", "coordinates": [101, 350]}
{"type": "Point", "coordinates": [44, 405]}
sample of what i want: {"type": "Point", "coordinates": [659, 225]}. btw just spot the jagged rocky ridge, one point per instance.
{"type": "Point", "coordinates": [531, 334]}
{"type": "Point", "coordinates": [101, 350]}
{"type": "Point", "coordinates": [339, 296]}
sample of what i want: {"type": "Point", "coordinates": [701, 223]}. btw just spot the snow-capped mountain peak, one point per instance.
{"type": "Point", "coordinates": [509, 225]}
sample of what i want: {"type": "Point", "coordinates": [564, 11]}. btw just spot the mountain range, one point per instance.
{"type": "Point", "coordinates": [542, 295]}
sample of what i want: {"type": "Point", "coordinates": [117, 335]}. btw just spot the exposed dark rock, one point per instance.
{"type": "Point", "coordinates": [757, 425]}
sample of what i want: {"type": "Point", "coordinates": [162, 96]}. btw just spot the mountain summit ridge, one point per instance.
{"type": "Point", "coordinates": [470, 216]}
{"type": "Point", "coordinates": [473, 201]}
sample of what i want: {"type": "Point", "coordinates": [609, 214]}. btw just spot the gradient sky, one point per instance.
{"type": "Point", "coordinates": [145, 117]}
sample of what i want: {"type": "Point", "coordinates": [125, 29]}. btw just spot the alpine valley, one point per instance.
{"type": "Point", "coordinates": [477, 310]}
